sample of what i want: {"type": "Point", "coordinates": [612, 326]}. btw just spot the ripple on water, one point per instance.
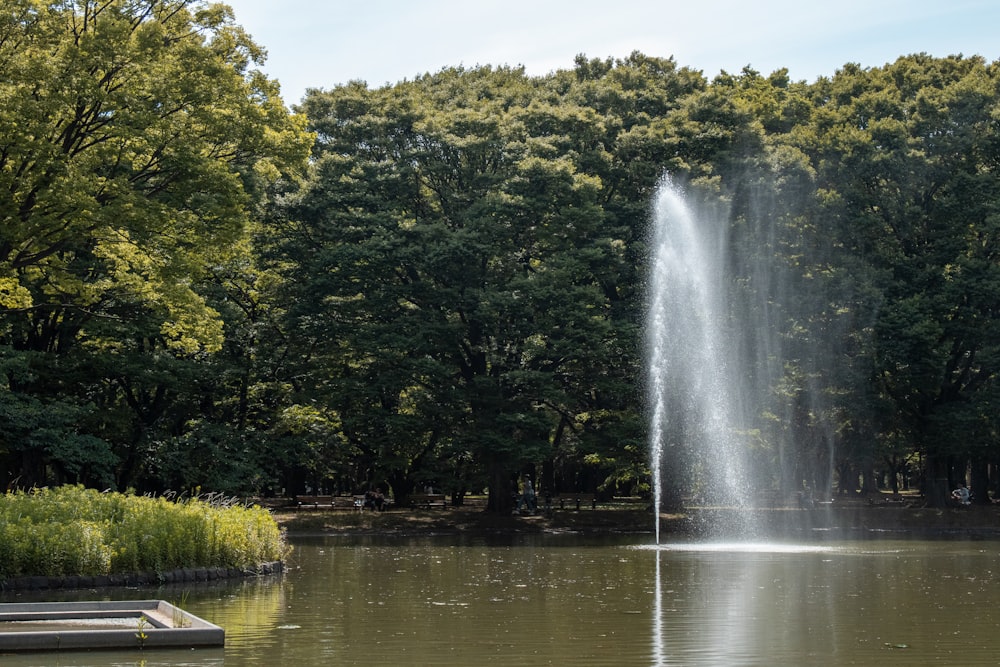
{"type": "Point", "coordinates": [744, 547]}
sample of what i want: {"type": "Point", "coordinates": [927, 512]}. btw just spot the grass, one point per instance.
{"type": "Point", "coordinates": [70, 530]}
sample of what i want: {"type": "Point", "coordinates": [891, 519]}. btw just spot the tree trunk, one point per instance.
{"type": "Point", "coordinates": [980, 482]}
{"type": "Point", "coordinates": [868, 483]}
{"type": "Point", "coordinates": [402, 486]}
{"type": "Point", "coordinates": [547, 483]}
{"type": "Point", "coordinates": [501, 500]}
{"type": "Point", "coordinates": [936, 481]}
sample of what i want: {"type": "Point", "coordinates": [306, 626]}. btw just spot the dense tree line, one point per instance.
{"type": "Point", "coordinates": [448, 290]}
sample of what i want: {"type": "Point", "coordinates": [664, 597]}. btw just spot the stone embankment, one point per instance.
{"type": "Point", "coordinates": [178, 576]}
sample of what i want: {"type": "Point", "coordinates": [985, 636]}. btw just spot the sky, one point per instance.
{"type": "Point", "coordinates": [325, 43]}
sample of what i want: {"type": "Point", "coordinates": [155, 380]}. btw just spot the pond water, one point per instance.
{"type": "Point", "coordinates": [565, 600]}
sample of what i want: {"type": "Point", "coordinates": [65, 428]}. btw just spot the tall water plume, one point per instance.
{"type": "Point", "coordinates": [697, 365]}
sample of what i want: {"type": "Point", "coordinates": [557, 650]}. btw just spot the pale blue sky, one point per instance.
{"type": "Point", "coordinates": [323, 43]}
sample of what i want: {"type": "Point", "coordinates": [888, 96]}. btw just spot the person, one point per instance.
{"type": "Point", "coordinates": [529, 493]}
{"type": "Point", "coordinates": [961, 494]}
{"type": "Point", "coordinates": [528, 499]}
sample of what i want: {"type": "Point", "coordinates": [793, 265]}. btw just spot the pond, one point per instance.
{"type": "Point", "coordinates": [568, 600]}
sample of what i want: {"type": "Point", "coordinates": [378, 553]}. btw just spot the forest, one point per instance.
{"type": "Point", "coordinates": [441, 282]}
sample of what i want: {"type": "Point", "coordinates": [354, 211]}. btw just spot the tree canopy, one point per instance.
{"type": "Point", "coordinates": [136, 142]}
{"type": "Point", "coordinates": [442, 281]}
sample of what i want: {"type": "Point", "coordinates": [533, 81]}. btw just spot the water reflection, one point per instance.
{"type": "Point", "coordinates": [564, 600]}
{"type": "Point", "coordinates": [659, 655]}
{"type": "Point", "coordinates": [844, 604]}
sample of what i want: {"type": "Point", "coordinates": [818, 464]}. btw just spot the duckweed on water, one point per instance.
{"type": "Point", "coordinates": [70, 530]}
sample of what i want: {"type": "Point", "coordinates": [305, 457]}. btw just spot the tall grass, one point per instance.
{"type": "Point", "coordinates": [70, 530]}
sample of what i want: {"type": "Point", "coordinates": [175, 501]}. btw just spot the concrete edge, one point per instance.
{"type": "Point", "coordinates": [177, 576]}
{"type": "Point", "coordinates": [159, 632]}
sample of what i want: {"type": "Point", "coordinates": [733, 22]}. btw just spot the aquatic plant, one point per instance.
{"type": "Point", "coordinates": [141, 635]}
{"type": "Point", "coordinates": [70, 530]}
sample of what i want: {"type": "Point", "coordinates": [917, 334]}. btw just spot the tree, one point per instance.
{"type": "Point", "coordinates": [457, 244]}
{"type": "Point", "coordinates": [905, 158]}
{"type": "Point", "coordinates": [136, 137]}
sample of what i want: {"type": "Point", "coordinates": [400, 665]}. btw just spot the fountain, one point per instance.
{"type": "Point", "coordinates": [696, 376]}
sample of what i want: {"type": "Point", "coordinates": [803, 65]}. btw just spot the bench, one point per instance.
{"type": "Point", "coordinates": [577, 499]}
{"type": "Point", "coordinates": [326, 502]}
{"type": "Point", "coordinates": [428, 500]}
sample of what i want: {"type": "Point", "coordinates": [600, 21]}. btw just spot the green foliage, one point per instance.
{"type": "Point", "coordinates": [464, 295]}
{"type": "Point", "coordinates": [114, 117]}
{"type": "Point", "coordinates": [137, 141]}
{"type": "Point", "coordinates": [450, 291]}
{"type": "Point", "coordinates": [70, 530]}
{"type": "Point", "coordinates": [476, 240]}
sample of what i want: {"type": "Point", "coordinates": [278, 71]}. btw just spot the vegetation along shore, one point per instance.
{"type": "Point", "coordinates": [71, 536]}
{"type": "Point", "coordinates": [73, 531]}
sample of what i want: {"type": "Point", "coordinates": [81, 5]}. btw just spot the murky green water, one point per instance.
{"type": "Point", "coordinates": [568, 601]}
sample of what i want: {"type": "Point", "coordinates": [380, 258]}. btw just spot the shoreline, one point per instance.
{"type": "Point", "coordinates": [459, 520]}
{"type": "Point", "coordinates": [692, 522]}
{"type": "Point", "coordinates": [846, 521]}
{"type": "Point", "coordinates": [180, 575]}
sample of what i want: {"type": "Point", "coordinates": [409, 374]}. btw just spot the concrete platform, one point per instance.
{"type": "Point", "coordinates": [59, 626]}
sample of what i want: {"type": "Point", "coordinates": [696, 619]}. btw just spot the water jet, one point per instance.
{"type": "Point", "coordinates": [696, 373]}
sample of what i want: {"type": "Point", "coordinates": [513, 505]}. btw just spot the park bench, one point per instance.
{"type": "Point", "coordinates": [428, 500]}
{"type": "Point", "coordinates": [575, 500]}
{"type": "Point", "coordinates": [314, 502]}
{"type": "Point", "coordinates": [326, 502]}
